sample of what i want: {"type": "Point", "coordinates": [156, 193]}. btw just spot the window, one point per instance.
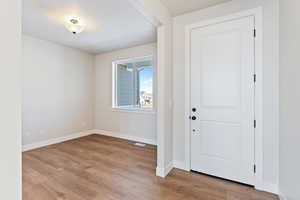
{"type": "Point", "coordinates": [133, 84]}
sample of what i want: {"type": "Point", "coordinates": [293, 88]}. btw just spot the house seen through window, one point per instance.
{"type": "Point", "coordinates": [133, 84]}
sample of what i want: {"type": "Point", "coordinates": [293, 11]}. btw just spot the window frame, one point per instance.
{"type": "Point", "coordinates": [114, 86]}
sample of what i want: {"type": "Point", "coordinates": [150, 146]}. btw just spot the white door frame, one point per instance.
{"type": "Point", "coordinates": [258, 15]}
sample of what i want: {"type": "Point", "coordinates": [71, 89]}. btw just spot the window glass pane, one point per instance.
{"type": "Point", "coordinates": [134, 84]}
{"type": "Point", "coordinates": [146, 93]}
{"type": "Point", "coordinates": [125, 85]}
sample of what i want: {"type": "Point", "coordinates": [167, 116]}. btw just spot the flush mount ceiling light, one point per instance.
{"type": "Point", "coordinates": [74, 25]}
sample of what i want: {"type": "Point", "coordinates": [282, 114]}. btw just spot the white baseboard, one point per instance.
{"type": "Point", "coordinates": [163, 172]}
{"type": "Point", "coordinates": [54, 141]}
{"type": "Point", "coordinates": [267, 187]}
{"type": "Point", "coordinates": [282, 197]}
{"type": "Point", "coordinates": [179, 165]}
{"type": "Point", "coordinates": [85, 133]}
{"type": "Point", "coordinates": [168, 168]}
{"type": "Point", "coordinates": [125, 136]}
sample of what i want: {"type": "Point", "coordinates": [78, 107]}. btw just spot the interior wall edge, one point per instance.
{"type": "Point", "coordinates": [164, 171]}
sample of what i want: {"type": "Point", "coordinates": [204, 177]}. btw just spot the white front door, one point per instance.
{"type": "Point", "coordinates": [222, 100]}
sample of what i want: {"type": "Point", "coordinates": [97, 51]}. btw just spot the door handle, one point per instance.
{"type": "Point", "coordinates": [193, 118]}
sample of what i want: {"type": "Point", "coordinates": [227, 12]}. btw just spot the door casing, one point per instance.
{"type": "Point", "coordinates": [257, 13]}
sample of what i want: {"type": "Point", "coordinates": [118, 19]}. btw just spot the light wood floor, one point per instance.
{"type": "Point", "coordinates": [99, 167]}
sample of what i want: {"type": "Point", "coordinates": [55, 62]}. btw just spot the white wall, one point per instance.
{"type": "Point", "coordinates": [160, 16]}
{"type": "Point", "coordinates": [165, 93]}
{"type": "Point", "coordinates": [132, 124]}
{"type": "Point", "coordinates": [289, 175]}
{"type": "Point", "coordinates": [10, 100]}
{"type": "Point", "coordinates": [270, 76]}
{"type": "Point", "coordinates": [58, 90]}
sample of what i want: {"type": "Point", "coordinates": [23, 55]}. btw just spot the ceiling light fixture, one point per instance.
{"type": "Point", "coordinates": [74, 25]}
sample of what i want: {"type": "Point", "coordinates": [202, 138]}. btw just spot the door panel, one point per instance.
{"type": "Point", "coordinates": [222, 91]}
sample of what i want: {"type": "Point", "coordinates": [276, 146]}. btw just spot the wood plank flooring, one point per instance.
{"type": "Point", "coordinates": [105, 168]}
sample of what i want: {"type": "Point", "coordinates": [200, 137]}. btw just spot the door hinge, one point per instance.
{"type": "Point", "coordinates": [254, 78]}
{"type": "Point", "coordinates": [254, 168]}
{"type": "Point", "coordinates": [254, 124]}
{"type": "Point", "coordinates": [254, 32]}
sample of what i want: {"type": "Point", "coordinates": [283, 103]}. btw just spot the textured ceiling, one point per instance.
{"type": "Point", "coordinates": [111, 24]}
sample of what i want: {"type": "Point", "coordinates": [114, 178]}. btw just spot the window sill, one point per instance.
{"type": "Point", "coordinates": [134, 110]}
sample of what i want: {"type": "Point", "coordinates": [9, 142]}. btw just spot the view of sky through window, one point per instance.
{"type": "Point", "coordinates": [146, 79]}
